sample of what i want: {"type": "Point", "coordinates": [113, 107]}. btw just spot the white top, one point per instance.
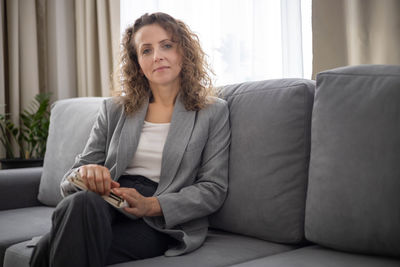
{"type": "Point", "coordinates": [148, 156]}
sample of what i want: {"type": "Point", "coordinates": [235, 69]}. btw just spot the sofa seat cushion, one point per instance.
{"type": "Point", "coordinates": [22, 224]}
{"type": "Point", "coordinates": [219, 249]}
{"type": "Point", "coordinates": [316, 256]}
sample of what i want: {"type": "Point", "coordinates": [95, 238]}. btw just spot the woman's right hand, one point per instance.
{"type": "Point", "coordinates": [97, 178]}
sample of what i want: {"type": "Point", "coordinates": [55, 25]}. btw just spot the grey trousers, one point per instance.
{"type": "Point", "coordinates": [87, 231]}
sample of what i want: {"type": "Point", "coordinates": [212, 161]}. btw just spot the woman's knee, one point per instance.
{"type": "Point", "coordinates": [80, 199]}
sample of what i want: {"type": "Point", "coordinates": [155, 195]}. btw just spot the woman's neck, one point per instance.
{"type": "Point", "coordinates": [164, 96]}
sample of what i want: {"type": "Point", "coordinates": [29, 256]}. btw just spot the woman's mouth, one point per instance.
{"type": "Point", "coordinates": [160, 68]}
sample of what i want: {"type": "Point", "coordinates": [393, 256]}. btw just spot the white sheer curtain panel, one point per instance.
{"type": "Point", "coordinates": [245, 40]}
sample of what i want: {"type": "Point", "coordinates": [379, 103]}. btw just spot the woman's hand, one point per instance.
{"type": "Point", "coordinates": [139, 205]}
{"type": "Point", "coordinates": [97, 179]}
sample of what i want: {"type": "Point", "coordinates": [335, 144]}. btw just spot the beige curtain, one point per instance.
{"type": "Point", "coordinates": [97, 44]}
{"type": "Point", "coordinates": [352, 32]}
{"type": "Point", "coordinates": [19, 57]}
{"type": "Point", "coordinates": [2, 60]}
{"type": "Point", "coordinates": [20, 50]}
{"type": "Point", "coordinates": [2, 67]}
{"type": "Point", "coordinates": [69, 48]}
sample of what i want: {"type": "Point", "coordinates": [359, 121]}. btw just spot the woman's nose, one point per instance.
{"type": "Point", "coordinates": [157, 56]}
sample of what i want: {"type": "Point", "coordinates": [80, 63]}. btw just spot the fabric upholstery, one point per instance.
{"type": "Point", "coordinates": [18, 255]}
{"type": "Point", "coordinates": [67, 138]}
{"type": "Point", "coordinates": [23, 183]}
{"type": "Point", "coordinates": [268, 164]}
{"type": "Point", "coordinates": [219, 249]}
{"type": "Point", "coordinates": [353, 200]}
{"type": "Point", "coordinates": [316, 256]}
{"type": "Point", "coordinates": [18, 225]}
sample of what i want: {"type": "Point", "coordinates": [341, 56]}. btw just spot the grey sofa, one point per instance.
{"type": "Point", "coordinates": [313, 182]}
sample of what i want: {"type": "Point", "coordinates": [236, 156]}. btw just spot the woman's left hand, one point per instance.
{"type": "Point", "coordinates": [139, 205]}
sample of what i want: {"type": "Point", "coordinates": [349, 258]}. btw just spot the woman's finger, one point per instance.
{"type": "Point", "coordinates": [90, 179]}
{"type": "Point", "coordinates": [138, 204]}
{"type": "Point", "coordinates": [128, 199]}
{"type": "Point", "coordinates": [115, 184]}
{"type": "Point", "coordinates": [99, 180]}
{"type": "Point", "coordinates": [130, 192]}
{"type": "Point", "coordinates": [107, 186]}
{"type": "Point", "coordinates": [107, 181]}
{"type": "Point", "coordinates": [83, 174]}
{"type": "Point", "coordinates": [119, 191]}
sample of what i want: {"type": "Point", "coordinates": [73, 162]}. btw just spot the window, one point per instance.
{"type": "Point", "coordinates": [245, 40]}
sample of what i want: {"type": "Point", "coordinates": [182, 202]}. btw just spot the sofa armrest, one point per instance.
{"type": "Point", "coordinates": [19, 188]}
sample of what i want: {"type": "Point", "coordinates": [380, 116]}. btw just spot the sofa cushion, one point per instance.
{"type": "Point", "coordinates": [22, 224]}
{"type": "Point", "coordinates": [353, 200]}
{"type": "Point", "coordinates": [219, 249]}
{"type": "Point", "coordinates": [70, 123]}
{"type": "Point", "coordinates": [316, 256]}
{"type": "Point", "coordinates": [269, 155]}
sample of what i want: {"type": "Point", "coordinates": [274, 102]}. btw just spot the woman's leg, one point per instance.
{"type": "Point", "coordinates": [40, 255]}
{"type": "Point", "coordinates": [81, 233]}
{"type": "Point", "coordinates": [87, 231]}
{"type": "Point", "coordinates": [134, 239]}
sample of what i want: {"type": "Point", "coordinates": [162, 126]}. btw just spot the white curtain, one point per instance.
{"type": "Point", "coordinates": [245, 40]}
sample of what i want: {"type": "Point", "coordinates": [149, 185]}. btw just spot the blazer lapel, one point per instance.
{"type": "Point", "coordinates": [178, 137]}
{"type": "Point", "coordinates": [129, 139]}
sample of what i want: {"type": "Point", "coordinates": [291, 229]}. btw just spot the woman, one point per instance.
{"type": "Point", "coordinates": [162, 146]}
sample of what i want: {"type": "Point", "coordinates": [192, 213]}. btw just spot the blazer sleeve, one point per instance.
{"type": "Point", "coordinates": [208, 193]}
{"type": "Point", "coordinates": [94, 151]}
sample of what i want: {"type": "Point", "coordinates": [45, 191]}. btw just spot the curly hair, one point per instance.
{"type": "Point", "coordinates": [195, 82]}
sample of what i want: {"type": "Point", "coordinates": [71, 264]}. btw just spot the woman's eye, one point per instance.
{"type": "Point", "coordinates": [167, 46]}
{"type": "Point", "coordinates": [145, 51]}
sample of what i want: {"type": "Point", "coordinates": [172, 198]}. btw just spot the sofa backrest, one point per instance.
{"type": "Point", "coordinates": [70, 123]}
{"type": "Point", "coordinates": [269, 156]}
{"type": "Point", "coordinates": [353, 199]}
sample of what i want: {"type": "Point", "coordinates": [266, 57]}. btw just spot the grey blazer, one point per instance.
{"type": "Point", "coordinates": [194, 170]}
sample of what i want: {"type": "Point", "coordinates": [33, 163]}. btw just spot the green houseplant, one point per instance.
{"type": "Point", "coordinates": [30, 137]}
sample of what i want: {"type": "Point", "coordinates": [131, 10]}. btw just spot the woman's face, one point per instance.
{"type": "Point", "coordinates": [159, 58]}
